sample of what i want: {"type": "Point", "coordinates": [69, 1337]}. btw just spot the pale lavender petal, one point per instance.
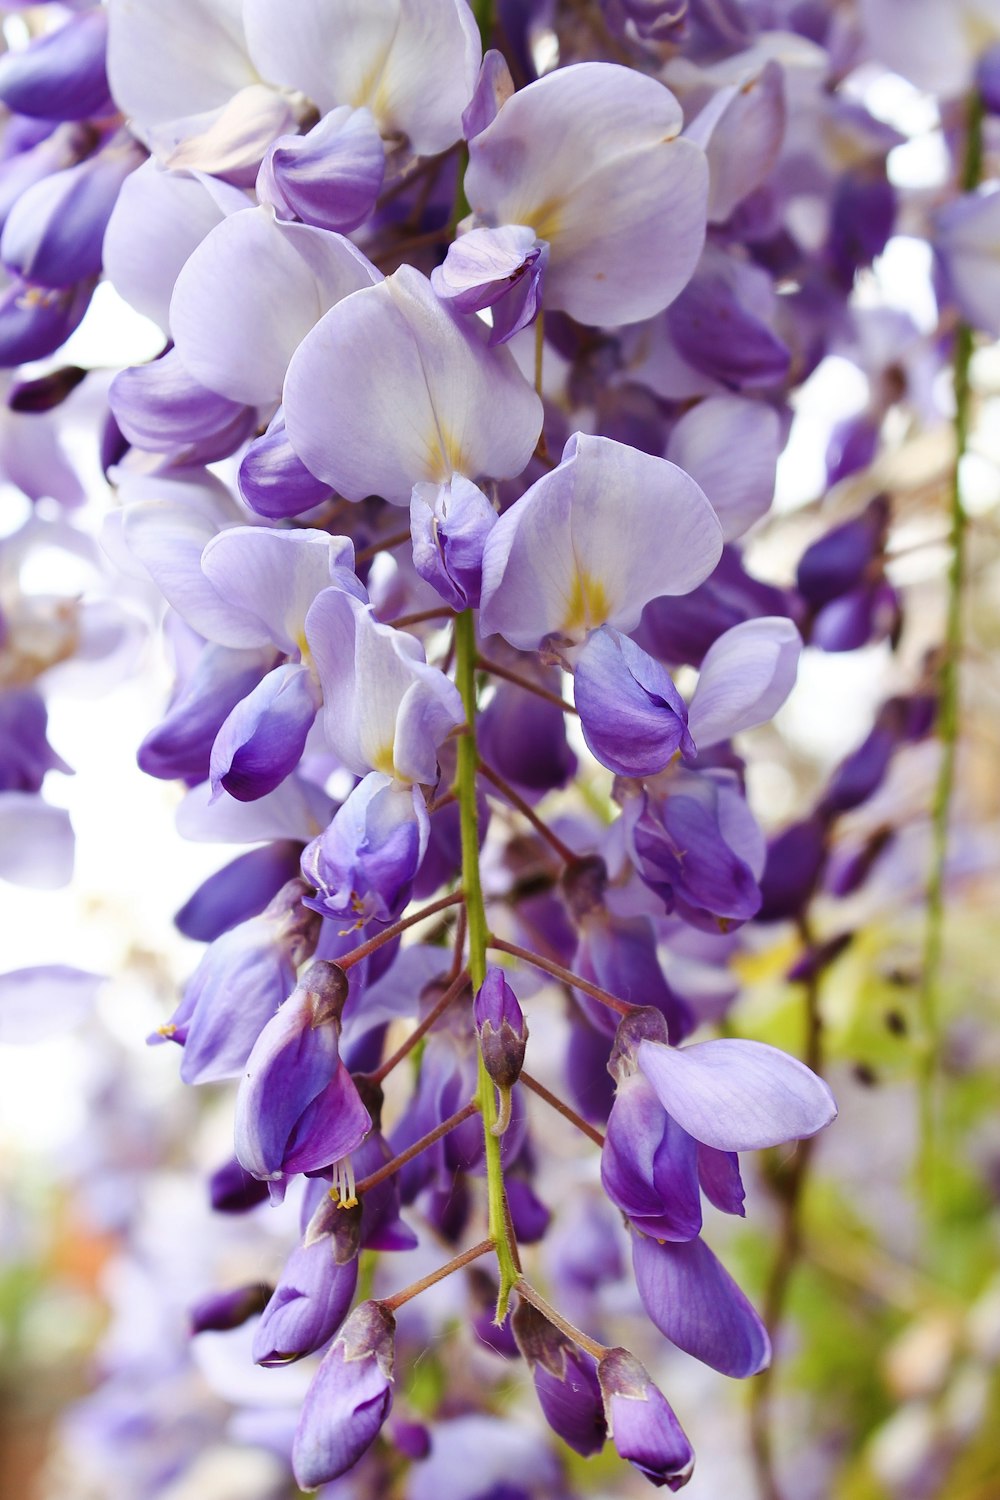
{"type": "Point", "coordinates": [704, 444]}
{"type": "Point", "coordinates": [593, 541]}
{"type": "Point", "coordinates": [697, 1305]}
{"type": "Point", "coordinates": [391, 388]}
{"type": "Point", "coordinates": [250, 293]}
{"type": "Point", "coordinates": [158, 219]}
{"type": "Point", "coordinates": [590, 156]}
{"type": "Point", "coordinates": [168, 536]}
{"type": "Point", "coordinates": [274, 576]}
{"type": "Point", "coordinates": [968, 239]}
{"type": "Point", "coordinates": [385, 709]}
{"type": "Point", "coordinates": [36, 842]}
{"type": "Point", "coordinates": [378, 54]}
{"type": "Point", "coordinates": [229, 143]}
{"type": "Point", "coordinates": [745, 678]}
{"type": "Point", "coordinates": [741, 130]}
{"type": "Point", "coordinates": [46, 1001]}
{"type": "Point", "coordinates": [161, 408]}
{"type": "Point", "coordinates": [297, 809]}
{"type": "Point", "coordinates": [331, 176]}
{"type": "Point", "coordinates": [737, 1095]}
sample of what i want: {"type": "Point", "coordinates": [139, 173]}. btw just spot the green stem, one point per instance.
{"type": "Point", "coordinates": [468, 764]}
{"type": "Point", "coordinates": [483, 12]}
{"type": "Point", "coordinates": [948, 714]}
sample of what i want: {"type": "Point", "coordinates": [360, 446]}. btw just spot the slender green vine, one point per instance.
{"type": "Point", "coordinates": [948, 712]}
{"type": "Point", "coordinates": [468, 764]}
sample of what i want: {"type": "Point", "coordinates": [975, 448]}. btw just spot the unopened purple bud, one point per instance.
{"type": "Point", "coordinates": [47, 391]}
{"type": "Point", "coordinates": [221, 1311]}
{"type": "Point", "coordinates": [25, 753]}
{"type": "Point", "coordinates": [54, 234]}
{"type": "Point", "coordinates": [863, 213]}
{"type": "Point", "coordinates": [717, 332]}
{"type": "Point", "coordinates": [795, 861]}
{"type": "Point", "coordinates": [349, 1398]}
{"type": "Point", "coordinates": [60, 76]}
{"type": "Point", "coordinates": [841, 561]}
{"type": "Point", "coordinates": [232, 1190]}
{"type": "Point", "coordinates": [273, 479]}
{"type": "Point", "coordinates": [412, 1439]}
{"type": "Point", "coordinates": [565, 1381]}
{"type": "Point", "coordinates": [307, 1307]}
{"type": "Point", "coordinates": [35, 320]}
{"type": "Point", "coordinates": [642, 1423]}
{"type": "Point", "coordinates": [503, 1032]}
{"type": "Point", "coordinates": [529, 1215]}
{"type": "Point", "coordinates": [239, 891]}
{"type": "Point", "coordinates": [988, 79]}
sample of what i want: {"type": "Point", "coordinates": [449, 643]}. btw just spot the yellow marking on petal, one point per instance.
{"type": "Point", "coordinates": [304, 653]}
{"type": "Point", "coordinates": [546, 219]}
{"type": "Point", "coordinates": [166, 1031]}
{"type": "Point", "coordinates": [383, 761]}
{"type": "Point", "coordinates": [445, 455]}
{"type": "Point", "coordinates": [588, 604]}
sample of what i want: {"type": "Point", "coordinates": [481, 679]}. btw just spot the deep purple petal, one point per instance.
{"type": "Point", "coordinates": [697, 1305]}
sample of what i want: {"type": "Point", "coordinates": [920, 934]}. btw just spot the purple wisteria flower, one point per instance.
{"type": "Point", "coordinates": [349, 1399]}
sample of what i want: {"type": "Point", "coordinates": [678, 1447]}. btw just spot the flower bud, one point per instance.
{"type": "Point", "coordinates": [503, 1033]}
{"type": "Point", "coordinates": [349, 1398]}
{"type": "Point", "coordinates": [565, 1381]}
{"type": "Point", "coordinates": [221, 1311]}
{"type": "Point", "coordinates": [307, 1307]}
{"type": "Point", "coordinates": [641, 1422]}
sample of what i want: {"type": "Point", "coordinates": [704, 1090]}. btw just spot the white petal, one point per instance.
{"type": "Point", "coordinates": [413, 63]}
{"type": "Point", "coordinates": [175, 59]}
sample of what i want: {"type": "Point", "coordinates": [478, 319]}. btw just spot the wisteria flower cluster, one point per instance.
{"type": "Point", "coordinates": [480, 326]}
